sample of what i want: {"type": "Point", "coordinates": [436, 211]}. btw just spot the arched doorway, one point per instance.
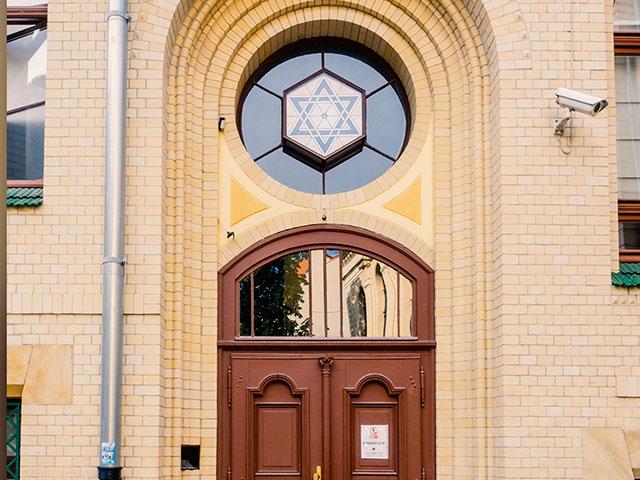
{"type": "Point", "coordinates": [327, 359]}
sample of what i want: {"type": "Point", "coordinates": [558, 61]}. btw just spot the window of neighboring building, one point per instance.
{"type": "Point", "coordinates": [26, 75]}
{"type": "Point", "coordinates": [324, 115]}
{"type": "Point", "coordinates": [627, 73]}
{"type": "Point", "coordinates": [14, 410]}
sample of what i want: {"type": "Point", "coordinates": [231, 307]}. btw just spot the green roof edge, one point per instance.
{"type": "Point", "coordinates": [628, 276]}
{"type": "Point", "coordinates": [24, 196]}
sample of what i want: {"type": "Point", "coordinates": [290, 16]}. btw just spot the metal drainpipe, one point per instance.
{"type": "Point", "coordinates": [113, 263]}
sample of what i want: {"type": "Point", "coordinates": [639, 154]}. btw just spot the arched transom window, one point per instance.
{"type": "Point", "coordinates": [326, 282]}
{"type": "Point", "coordinates": [326, 293]}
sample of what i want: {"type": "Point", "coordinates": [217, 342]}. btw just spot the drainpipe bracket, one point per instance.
{"type": "Point", "coordinates": [118, 261]}
{"type": "Point", "coordinates": [116, 13]}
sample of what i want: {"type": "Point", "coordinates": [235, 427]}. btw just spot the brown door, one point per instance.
{"type": "Point", "coordinates": [327, 359]}
{"type": "Point", "coordinates": [341, 414]}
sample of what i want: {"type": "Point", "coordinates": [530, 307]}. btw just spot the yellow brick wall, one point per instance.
{"type": "Point", "coordinates": [535, 348]}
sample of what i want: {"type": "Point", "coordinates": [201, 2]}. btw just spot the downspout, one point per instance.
{"type": "Point", "coordinates": [113, 262]}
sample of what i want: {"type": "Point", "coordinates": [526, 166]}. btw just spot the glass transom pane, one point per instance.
{"type": "Point", "coordinates": [326, 293]}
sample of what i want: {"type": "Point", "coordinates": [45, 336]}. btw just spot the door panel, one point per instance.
{"type": "Point", "coordinates": [372, 403]}
{"type": "Point", "coordinates": [377, 411]}
{"type": "Point", "coordinates": [281, 420]}
{"type": "Point", "coordinates": [275, 415]}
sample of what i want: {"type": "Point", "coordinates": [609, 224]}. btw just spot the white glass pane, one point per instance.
{"type": "Point", "coordinates": [629, 188]}
{"type": "Point", "coordinates": [16, 28]}
{"type": "Point", "coordinates": [628, 126]}
{"type": "Point", "coordinates": [24, 3]}
{"type": "Point", "coordinates": [406, 307]}
{"type": "Point", "coordinates": [628, 115]}
{"type": "Point", "coordinates": [26, 70]}
{"type": "Point", "coordinates": [334, 326]}
{"type": "Point", "coordinates": [626, 15]}
{"type": "Point", "coordinates": [317, 293]}
{"type": "Point", "coordinates": [377, 299]}
{"type": "Point", "coordinates": [627, 79]}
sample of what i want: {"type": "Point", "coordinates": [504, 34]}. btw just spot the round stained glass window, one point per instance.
{"type": "Point", "coordinates": [324, 115]}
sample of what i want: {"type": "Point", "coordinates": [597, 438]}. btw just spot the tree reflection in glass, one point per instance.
{"type": "Point", "coordinates": [279, 290]}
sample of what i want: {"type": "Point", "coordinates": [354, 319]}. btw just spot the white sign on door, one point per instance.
{"type": "Point", "coordinates": [374, 442]}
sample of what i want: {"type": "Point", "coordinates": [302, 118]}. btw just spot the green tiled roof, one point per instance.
{"type": "Point", "coordinates": [628, 276]}
{"type": "Point", "coordinates": [24, 196]}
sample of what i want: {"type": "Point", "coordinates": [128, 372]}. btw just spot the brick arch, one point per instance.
{"type": "Point", "coordinates": [342, 217]}
{"type": "Point", "coordinates": [457, 57]}
{"type": "Point", "coordinates": [210, 65]}
{"type": "Point", "coordinates": [499, 24]}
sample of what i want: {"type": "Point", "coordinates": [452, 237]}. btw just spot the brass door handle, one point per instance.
{"type": "Point", "coordinates": [318, 474]}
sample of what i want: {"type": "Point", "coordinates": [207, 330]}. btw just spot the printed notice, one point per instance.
{"type": "Point", "coordinates": [374, 442]}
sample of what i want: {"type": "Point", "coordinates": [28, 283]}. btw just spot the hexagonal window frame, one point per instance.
{"type": "Point", "coordinates": [309, 157]}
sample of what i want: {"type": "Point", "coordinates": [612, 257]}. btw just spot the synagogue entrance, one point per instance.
{"type": "Point", "coordinates": [327, 359]}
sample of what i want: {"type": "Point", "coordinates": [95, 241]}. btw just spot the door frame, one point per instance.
{"type": "Point", "coordinates": [329, 237]}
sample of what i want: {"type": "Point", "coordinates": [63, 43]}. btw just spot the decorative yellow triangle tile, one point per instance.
{"type": "Point", "coordinates": [243, 203]}
{"type": "Point", "coordinates": [408, 203]}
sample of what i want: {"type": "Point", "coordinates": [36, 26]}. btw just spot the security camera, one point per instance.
{"type": "Point", "coordinates": [580, 102]}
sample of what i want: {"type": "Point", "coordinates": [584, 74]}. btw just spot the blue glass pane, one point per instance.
{"type": "Point", "coordinates": [25, 144]}
{"type": "Point", "coordinates": [290, 72]}
{"type": "Point", "coordinates": [356, 172]}
{"type": "Point", "coordinates": [386, 122]}
{"type": "Point", "coordinates": [354, 70]}
{"type": "Point", "coordinates": [291, 172]}
{"type": "Point", "coordinates": [261, 122]}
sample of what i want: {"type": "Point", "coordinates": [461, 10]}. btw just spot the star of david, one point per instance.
{"type": "Point", "coordinates": [325, 116]}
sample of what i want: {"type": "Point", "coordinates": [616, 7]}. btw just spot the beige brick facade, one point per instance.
{"type": "Point", "coordinates": [538, 355]}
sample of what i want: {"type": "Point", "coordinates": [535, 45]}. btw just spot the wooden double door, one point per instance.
{"type": "Point", "coordinates": [327, 415]}
{"type": "Point", "coordinates": [326, 342]}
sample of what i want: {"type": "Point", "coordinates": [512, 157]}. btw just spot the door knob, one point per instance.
{"type": "Point", "coordinates": [318, 474]}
